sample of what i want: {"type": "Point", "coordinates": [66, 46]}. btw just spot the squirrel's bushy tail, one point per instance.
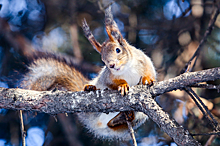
{"type": "Point", "coordinates": [48, 73]}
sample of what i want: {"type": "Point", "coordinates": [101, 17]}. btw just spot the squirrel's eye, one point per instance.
{"type": "Point", "coordinates": [118, 50]}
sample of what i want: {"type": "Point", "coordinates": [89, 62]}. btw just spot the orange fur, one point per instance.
{"type": "Point", "coordinates": [88, 87]}
{"type": "Point", "coordinates": [149, 78]}
{"type": "Point", "coordinates": [121, 85]}
{"type": "Point", "coordinates": [109, 34]}
{"type": "Point", "coordinates": [90, 36]}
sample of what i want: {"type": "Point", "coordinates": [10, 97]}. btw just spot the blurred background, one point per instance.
{"type": "Point", "coordinates": [169, 31]}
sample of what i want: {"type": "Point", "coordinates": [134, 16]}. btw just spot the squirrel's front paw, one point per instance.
{"type": "Point", "coordinates": [148, 80]}
{"type": "Point", "coordinates": [124, 88]}
{"type": "Point", "coordinates": [88, 87]}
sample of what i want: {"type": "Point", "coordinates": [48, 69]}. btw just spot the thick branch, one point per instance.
{"type": "Point", "coordinates": [138, 99]}
{"type": "Point", "coordinates": [184, 80]}
{"type": "Point", "coordinates": [167, 124]}
{"type": "Point", "coordinates": [99, 101]}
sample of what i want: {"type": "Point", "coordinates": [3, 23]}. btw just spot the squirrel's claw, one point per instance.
{"type": "Point", "coordinates": [88, 87]}
{"type": "Point", "coordinates": [148, 81]}
{"type": "Point", "coordinates": [124, 88]}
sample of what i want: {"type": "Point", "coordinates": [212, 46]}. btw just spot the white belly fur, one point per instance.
{"type": "Point", "coordinates": [132, 77]}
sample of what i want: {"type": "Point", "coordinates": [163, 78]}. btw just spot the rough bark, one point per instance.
{"type": "Point", "coordinates": [140, 98]}
{"type": "Point", "coordinates": [167, 124]}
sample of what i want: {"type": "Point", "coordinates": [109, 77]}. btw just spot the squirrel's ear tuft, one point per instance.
{"type": "Point", "coordinates": [112, 28]}
{"type": "Point", "coordinates": [96, 45]}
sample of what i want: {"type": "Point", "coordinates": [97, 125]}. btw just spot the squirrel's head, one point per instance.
{"type": "Point", "coordinates": [115, 56]}
{"type": "Point", "coordinates": [115, 53]}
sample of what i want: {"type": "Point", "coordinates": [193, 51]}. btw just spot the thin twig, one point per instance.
{"type": "Point", "coordinates": [198, 105]}
{"type": "Point", "coordinates": [23, 133]}
{"type": "Point", "coordinates": [195, 97]}
{"type": "Point", "coordinates": [207, 33]}
{"type": "Point", "coordinates": [194, 64]}
{"type": "Point", "coordinates": [131, 130]}
{"type": "Point", "coordinates": [205, 107]}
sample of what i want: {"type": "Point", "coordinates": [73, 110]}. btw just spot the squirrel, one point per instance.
{"type": "Point", "coordinates": [125, 66]}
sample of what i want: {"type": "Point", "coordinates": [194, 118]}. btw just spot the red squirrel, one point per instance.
{"type": "Point", "coordinates": [125, 66]}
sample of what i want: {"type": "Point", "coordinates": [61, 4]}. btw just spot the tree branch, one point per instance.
{"type": "Point", "coordinates": [54, 102]}
{"type": "Point", "coordinates": [139, 98]}
{"type": "Point", "coordinates": [184, 80]}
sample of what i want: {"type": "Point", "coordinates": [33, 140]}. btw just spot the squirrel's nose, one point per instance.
{"type": "Point", "coordinates": [112, 65]}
